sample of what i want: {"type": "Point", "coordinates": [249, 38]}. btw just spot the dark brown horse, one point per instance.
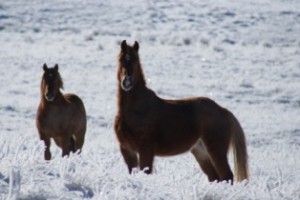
{"type": "Point", "coordinates": [61, 117]}
{"type": "Point", "coordinates": [147, 125]}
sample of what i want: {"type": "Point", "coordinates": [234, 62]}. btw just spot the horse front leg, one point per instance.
{"type": "Point", "coordinates": [47, 142]}
{"type": "Point", "coordinates": [146, 154]}
{"type": "Point", "coordinates": [130, 158]}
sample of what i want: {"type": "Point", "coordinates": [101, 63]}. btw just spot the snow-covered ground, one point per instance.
{"type": "Point", "coordinates": [243, 54]}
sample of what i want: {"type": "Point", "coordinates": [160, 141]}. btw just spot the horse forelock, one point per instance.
{"type": "Point", "coordinates": [57, 82]}
{"type": "Point", "coordinates": [54, 74]}
{"type": "Point", "coordinates": [134, 68]}
{"type": "Point", "coordinates": [129, 58]}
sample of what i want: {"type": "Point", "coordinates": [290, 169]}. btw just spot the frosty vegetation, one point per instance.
{"type": "Point", "coordinates": [243, 54]}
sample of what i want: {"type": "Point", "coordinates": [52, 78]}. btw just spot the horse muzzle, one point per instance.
{"type": "Point", "coordinates": [126, 83]}
{"type": "Point", "coordinates": [49, 97]}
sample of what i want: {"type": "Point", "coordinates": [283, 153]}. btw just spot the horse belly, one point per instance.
{"type": "Point", "coordinates": [176, 137]}
{"type": "Point", "coordinates": [175, 145]}
{"type": "Point", "coordinates": [170, 150]}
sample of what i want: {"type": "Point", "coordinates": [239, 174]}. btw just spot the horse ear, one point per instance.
{"type": "Point", "coordinates": [56, 67]}
{"type": "Point", "coordinates": [45, 67]}
{"type": "Point", "coordinates": [136, 46]}
{"type": "Point", "coordinates": [124, 45]}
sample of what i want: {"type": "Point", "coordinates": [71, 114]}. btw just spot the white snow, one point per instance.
{"type": "Point", "coordinates": [243, 54]}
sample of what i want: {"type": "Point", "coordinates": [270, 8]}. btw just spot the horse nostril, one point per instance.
{"type": "Point", "coordinates": [127, 82]}
{"type": "Point", "coordinates": [49, 97]}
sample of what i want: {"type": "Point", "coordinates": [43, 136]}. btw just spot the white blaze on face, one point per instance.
{"type": "Point", "coordinates": [127, 57]}
{"type": "Point", "coordinates": [48, 96]}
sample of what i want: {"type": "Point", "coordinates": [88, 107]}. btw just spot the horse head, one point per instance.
{"type": "Point", "coordinates": [51, 82]}
{"type": "Point", "coordinates": [129, 65]}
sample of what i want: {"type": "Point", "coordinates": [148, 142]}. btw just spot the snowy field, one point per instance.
{"type": "Point", "coordinates": [245, 55]}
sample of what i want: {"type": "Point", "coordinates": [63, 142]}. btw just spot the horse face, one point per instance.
{"type": "Point", "coordinates": [51, 82]}
{"type": "Point", "coordinates": [128, 60]}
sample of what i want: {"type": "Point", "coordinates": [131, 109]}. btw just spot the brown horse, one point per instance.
{"type": "Point", "coordinates": [61, 117]}
{"type": "Point", "coordinates": [147, 125]}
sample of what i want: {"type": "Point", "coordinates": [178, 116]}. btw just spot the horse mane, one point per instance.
{"type": "Point", "coordinates": [61, 83]}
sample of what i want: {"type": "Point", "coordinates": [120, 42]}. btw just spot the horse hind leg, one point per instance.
{"type": "Point", "coordinates": [78, 142]}
{"type": "Point", "coordinates": [67, 144]}
{"type": "Point", "coordinates": [78, 136]}
{"type": "Point", "coordinates": [200, 153]}
{"type": "Point", "coordinates": [217, 150]}
{"type": "Point", "coordinates": [64, 144]}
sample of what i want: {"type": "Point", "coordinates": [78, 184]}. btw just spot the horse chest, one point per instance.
{"type": "Point", "coordinates": [131, 130]}
{"type": "Point", "coordinates": [52, 122]}
{"type": "Point", "coordinates": [138, 119]}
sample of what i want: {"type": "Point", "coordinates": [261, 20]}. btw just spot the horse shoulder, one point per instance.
{"type": "Point", "coordinates": [47, 120]}
{"type": "Point", "coordinates": [145, 112]}
{"type": "Point", "coordinates": [43, 114]}
{"type": "Point", "coordinates": [72, 100]}
{"type": "Point", "coordinates": [134, 125]}
{"type": "Point", "coordinates": [40, 117]}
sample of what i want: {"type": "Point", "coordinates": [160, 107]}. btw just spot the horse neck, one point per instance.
{"type": "Point", "coordinates": [140, 82]}
{"type": "Point", "coordinates": [133, 97]}
{"type": "Point", "coordinates": [58, 98]}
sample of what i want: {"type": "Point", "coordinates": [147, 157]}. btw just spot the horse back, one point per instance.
{"type": "Point", "coordinates": [74, 102]}
{"type": "Point", "coordinates": [182, 122]}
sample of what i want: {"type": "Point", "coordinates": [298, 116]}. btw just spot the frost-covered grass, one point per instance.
{"type": "Point", "coordinates": [245, 55]}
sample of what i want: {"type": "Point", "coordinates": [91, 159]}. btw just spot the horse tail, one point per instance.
{"type": "Point", "coordinates": [238, 143]}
